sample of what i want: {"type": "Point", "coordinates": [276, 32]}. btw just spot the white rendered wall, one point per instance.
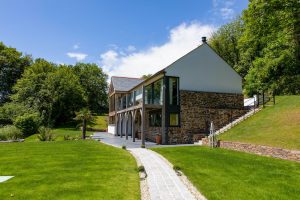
{"type": "Point", "coordinates": [111, 129]}
{"type": "Point", "coordinates": [203, 70]}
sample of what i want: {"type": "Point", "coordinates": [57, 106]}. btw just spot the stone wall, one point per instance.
{"type": "Point", "coordinates": [259, 150]}
{"type": "Point", "coordinates": [198, 109]}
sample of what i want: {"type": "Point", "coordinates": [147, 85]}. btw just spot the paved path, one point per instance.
{"type": "Point", "coordinates": [163, 182]}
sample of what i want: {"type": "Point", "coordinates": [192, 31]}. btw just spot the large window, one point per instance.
{"type": "Point", "coordinates": [158, 92]}
{"type": "Point", "coordinates": [154, 93]}
{"type": "Point", "coordinates": [137, 96]}
{"type": "Point", "coordinates": [173, 91]}
{"type": "Point", "coordinates": [155, 118]}
{"type": "Point", "coordinates": [148, 94]}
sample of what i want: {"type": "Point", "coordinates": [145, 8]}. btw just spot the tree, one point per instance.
{"type": "Point", "coordinates": [12, 66]}
{"type": "Point", "coordinates": [31, 89]}
{"type": "Point", "coordinates": [146, 76]}
{"type": "Point", "coordinates": [269, 46]}
{"type": "Point", "coordinates": [54, 91]}
{"type": "Point", "coordinates": [85, 116]}
{"type": "Point", "coordinates": [94, 82]}
{"type": "Point", "coordinates": [67, 94]}
{"type": "Point", "coordinates": [225, 42]}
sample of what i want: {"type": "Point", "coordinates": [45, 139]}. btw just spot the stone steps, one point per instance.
{"type": "Point", "coordinates": [237, 121]}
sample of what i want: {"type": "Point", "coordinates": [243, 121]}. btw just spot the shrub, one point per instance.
{"type": "Point", "coordinates": [67, 137]}
{"type": "Point", "coordinates": [10, 132]}
{"type": "Point", "coordinates": [45, 134]}
{"type": "Point", "coordinates": [123, 146]}
{"type": "Point", "coordinates": [28, 123]}
{"type": "Point", "coordinates": [9, 112]}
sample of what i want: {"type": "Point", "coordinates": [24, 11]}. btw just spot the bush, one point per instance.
{"type": "Point", "coordinates": [28, 123]}
{"type": "Point", "coordinates": [10, 132]}
{"type": "Point", "coordinates": [45, 134]}
{"type": "Point", "coordinates": [9, 112]}
{"type": "Point", "coordinates": [124, 147]}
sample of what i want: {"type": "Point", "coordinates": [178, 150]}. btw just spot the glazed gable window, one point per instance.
{"type": "Point", "coordinates": [173, 91]}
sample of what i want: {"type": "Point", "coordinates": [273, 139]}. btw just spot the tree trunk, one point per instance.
{"type": "Point", "coordinates": [83, 129]}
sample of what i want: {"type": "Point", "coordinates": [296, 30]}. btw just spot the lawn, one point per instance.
{"type": "Point", "coordinates": [225, 174]}
{"type": "Point", "coordinates": [67, 170]}
{"type": "Point", "coordinates": [277, 126]}
{"type": "Point", "coordinates": [100, 122]}
{"type": "Point", "coordinates": [60, 132]}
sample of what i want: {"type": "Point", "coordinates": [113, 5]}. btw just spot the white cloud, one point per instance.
{"type": "Point", "coordinates": [131, 48]}
{"type": "Point", "coordinates": [224, 8]}
{"type": "Point", "coordinates": [76, 46]}
{"type": "Point", "coordinates": [77, 56]}
{"type": "Point", "coordinates": [227, 13]}
{"type": "Point", "coordinates": [182, 39]}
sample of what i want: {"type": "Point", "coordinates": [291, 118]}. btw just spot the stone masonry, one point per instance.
{"type": "Point", "coordinates": [259, 149]}
{"type": "Point", "coordinates": [198, 109]}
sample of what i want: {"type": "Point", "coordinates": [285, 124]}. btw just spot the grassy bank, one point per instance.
{"type": "Point", "coordinates": [277, 126]}
{"type": "Point", "coordinates": [224, 174]}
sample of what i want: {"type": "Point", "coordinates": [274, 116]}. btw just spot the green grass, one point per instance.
{"type": "Point", "coordinates": [277, 126]}
{"type": "Point", "coordinates": [59, 134]}
{"type": "Point", "coordinates": [67, 170]}
{"type": "Point", "coordinates": [225, 174]}
{"type": "Point", "coordinates": [100, 122]}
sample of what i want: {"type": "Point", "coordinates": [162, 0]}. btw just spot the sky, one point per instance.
{"type": "Point", "coordinates": [123, 37]}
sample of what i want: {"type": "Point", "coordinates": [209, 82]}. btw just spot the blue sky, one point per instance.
{"type": "Point", "coordinates": [125, 37]}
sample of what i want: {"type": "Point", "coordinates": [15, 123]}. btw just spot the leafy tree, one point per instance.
{"type": "Point", "coordinates": [146, 76]}
{"type": "Point", "coordinates": [85, 116]}
{"type": "Point", "coordinates": [67, 94]}
{"type": "Point", "coordinates": [225, 42]}
{"type": "Point", "coordinates": [31, 89]}
{"type": "Point", "coordinates": [12, 65]}
{"type": "Point", "coordinates": [269, 46]}
{"type": "Point", "coordinates": [93, 81]}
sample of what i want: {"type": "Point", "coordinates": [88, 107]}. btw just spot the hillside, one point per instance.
{"type": "Point", "coordinates": [277, 126]}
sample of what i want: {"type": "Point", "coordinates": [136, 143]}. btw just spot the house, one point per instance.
{"type": "Point", "coordinates": [179, 101]}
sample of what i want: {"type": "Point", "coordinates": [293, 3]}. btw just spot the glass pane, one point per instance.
{"type": "Point", "coordinates": [157, 87]}
{"type": "Point", "coordinates": [155, 119]}
{"type": "Point", "coordinates": [148, 94]}
{"type": "Point", "coordinates": [173, 91]}
{"type": "Point", "coordinates": [174, 119]}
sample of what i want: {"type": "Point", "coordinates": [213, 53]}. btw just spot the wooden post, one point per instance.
{"type": "Point", "coordinates": [133, 126]}
{"type": "Point", "coordinates": [121, 125]}
{"type": "Point", "coordinates": [163, 115]}
{"type": "Point", "coordinates": [143, 117]}
{"type": "Point", "coordinates": [126, 126]}
{"type": "Point", "coordinates": [116, 115]}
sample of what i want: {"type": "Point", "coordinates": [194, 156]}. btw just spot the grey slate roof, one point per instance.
{"type": "Point", "coordinates": [124, 84]}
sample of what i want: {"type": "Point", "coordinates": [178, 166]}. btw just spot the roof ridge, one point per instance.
{"type": "Point", "coordinates": [127, 77]}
